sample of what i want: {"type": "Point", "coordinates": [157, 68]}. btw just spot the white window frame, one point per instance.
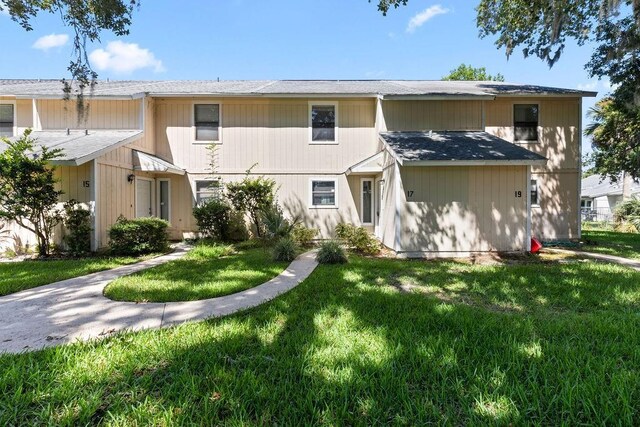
{"type": "Point", "coordinates": [373, 205]}
{"type": "Point", "coordinates": [193, 122]}
{"type": "Point", "coordinates": [337, 127]}
{"type": "Point", "coordinates": [195, 187]}
{"type": "Point", "coordinates": [159, 198]}
{"type": "Point", "coordinates": [15, 115]}
{"type": "Point", "coordinates": [513, 122]}
{"type": "Point", "coordinates": [335, 193]}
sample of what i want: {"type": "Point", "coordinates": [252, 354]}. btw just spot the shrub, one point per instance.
{"type": "Point", "coordinates": [358, 238]}
{"type": "Point", "coordinates": [629, 212]}
{"type": "Point", "coordinates": [303, 235]}
{"type": "Point", "coordinates": [285, 250]}
{"type": "Point", "coordinates": [331, 252]}
{"type": "Point", "coordinates": [213, 218]}
{"type": "Point", "coordinates": [77, 222]}
{"type": "Point", "coordinates": [237, 231]}
{"type": "Point", "coordinates": [138, 236]}
{"type": "Point", "coordinates": [275, 224]}
{"type": "Point", "coordinates": [252, 196]}
{"type": "Point", "coordinates": [625, 227]}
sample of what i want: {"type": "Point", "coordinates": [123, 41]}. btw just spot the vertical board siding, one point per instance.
{"type": "Point", "coordinates": [432, 115]}
{"type": "Point", "coordinates": [272, 135]}
{"type": "Point", "coordinates": [115, 198]}
{"type": "Point", "coordinates": [559, 141]}
{"type": "Point", "coordinates": [459, 209]}
{"type": "Point", "coordinates": [101, 114]}
{"type": "Point", "coordinates": [24, 115]}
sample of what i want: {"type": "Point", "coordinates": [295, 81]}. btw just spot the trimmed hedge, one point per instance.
{"type": "Point", "coordinates": [138, 236]}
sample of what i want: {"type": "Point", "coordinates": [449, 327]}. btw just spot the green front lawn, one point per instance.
{"type": "Point", "coordinates": [207, 271]}
{"type": "Point", "coordinates": [18, 276]}
{"type": "Point", "coordinates": [626, 245]}
{"type": "Point", "coordinates": [377, 341]}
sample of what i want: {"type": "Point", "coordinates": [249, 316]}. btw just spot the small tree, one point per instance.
{"type": "Point", "coordinates": [253, 196]}
{"type": "Point", "coordinates": [469, 73]}
{"type": "Point", "coordinates": [27, 189]}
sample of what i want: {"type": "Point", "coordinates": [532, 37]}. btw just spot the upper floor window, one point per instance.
{"type": "Point", "coordinates": [525, 122]}
{"type": "Point", "coordinates": [324, 122]}
{"type": "Point", "coordinates": [207, 190]}
{"type": "Point", "coordinates": [6, 119]}
{"type": "Point", "coordinates": [206, 119]}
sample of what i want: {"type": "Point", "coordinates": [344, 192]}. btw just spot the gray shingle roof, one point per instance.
{"type": "Point", "coordinates": [390, 88]}
{"type": "Point", "coordinates": [596, 186]}
{"type": "Point", "coordinates": [456, 147]}
{"type": "Point", "coordinates": [79, 148]}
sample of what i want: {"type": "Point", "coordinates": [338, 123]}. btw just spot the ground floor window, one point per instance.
{"type": "Point", "coordinates": [323, 193]}
{"type": "Point", "coordinates": [534, 192]}
{"type": "Point", "coordinates": [586, 204]}
{"type": "Point", "coordinates": [207, 190]}
{"type": "Point", "coordinates": [367, 201]}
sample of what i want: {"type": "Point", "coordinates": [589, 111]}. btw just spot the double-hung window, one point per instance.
{"type": "Point", "coordinates": [323, 118]}
{"type": "Point", "coordinates": [525, 122]}
{"type": "Point", "coordinates": [323, 193]}
{"type": "Point", "coordinates": [7, 120]}
{"type": "Point", "coordinates": [206, 118]}
{"type": "Point", "coordinates": [534, 192]}
{"type": "Point", "coordinates": [207, 190]}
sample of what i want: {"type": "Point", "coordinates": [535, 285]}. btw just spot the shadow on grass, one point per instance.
{"type": "Point", "coordinates": [345, 347]}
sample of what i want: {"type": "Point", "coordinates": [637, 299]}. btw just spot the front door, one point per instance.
{"type": "Point", "coordinates": [143, 198]}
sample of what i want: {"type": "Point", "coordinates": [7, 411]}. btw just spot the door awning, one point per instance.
{"type": "Point", "coordinates": [149, 163]}
{"type": "Point", "coordinates": [368, 166]}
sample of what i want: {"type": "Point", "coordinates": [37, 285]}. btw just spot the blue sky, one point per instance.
{"type": "Point", "coordinates": [289, 39]}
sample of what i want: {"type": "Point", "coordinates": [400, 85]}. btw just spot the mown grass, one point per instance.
{"type": "Point", "coordinates": [18, 276]}
{"type": "Point", "coordinates": [626, 245]}
{"type": "Point", "coordinates": [376, 341]}
{"type": "Point", "coordinates": [209, 270]}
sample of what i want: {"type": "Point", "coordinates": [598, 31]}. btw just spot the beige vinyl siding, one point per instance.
{"type": "Point", "coordinates": [557, 217]}
{"type": "Point", "coordinates": [272, 134]}
{"type": "Point", "coordinates": [463, 209]}
{"type": "Point", "coordinates": [24, 113]}
{"type": "Point", "coordinates": [432, 115]}
{"type": "Point", "coordinates": [389, 220]}
{"type": "Point", "coordinates": [101, 114]}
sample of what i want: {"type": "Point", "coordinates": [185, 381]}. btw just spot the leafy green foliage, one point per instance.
{"type": "Point", "coordinates": [615, 135]}
{"type": "Point", "coordinates": [253, 196]}
{"type": "Point", "coordinates": [331, 252]}
{"type": "Point", "coordinates": [27, 189]}
{"type": "Point", "coordinates": [77, 222]}
{"type": "Point", "coordinates": [302, 235]}
{"type": "Point", "coordinates": [358, 238]}
{"type": "Point", "coordinates": [628, 213]}
{"type": "Point", "coordinates": [469, 73]}
{"type": "Point", "coordinates": [275, 224]}
{"type": "Point", "coordinates": [385, 5]}
{"type": "Point", "coordinates": [138, 236]}
{"type": "Point", "coordinates": [213, 218]}
{"type": "Point", "coordinates": [285, 249]}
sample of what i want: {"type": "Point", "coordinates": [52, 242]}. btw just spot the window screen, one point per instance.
{"type": "Point", "coordinates": [525, 122]}
{"type": "Point", "coordinates": [323, 193]}
{"type": "Point", "coordinates": [323, 123]}
{"type": "Point", "coordinates": [6, 120]}
{"type": "Point", "coordinates": [207, 190]}
{"type": "Point", "coordinates": [207, 122]}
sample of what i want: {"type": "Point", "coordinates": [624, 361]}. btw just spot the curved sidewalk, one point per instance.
{"type": "Point", "coordinates": [631, 263]}
{"type": "Point", "coordinates": [76, 309]}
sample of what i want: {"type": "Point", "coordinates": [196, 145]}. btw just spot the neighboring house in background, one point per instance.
{"type": "Point", "coordinates": [432, 168]}
{"type": "Point", "coordinates": [599, 197]}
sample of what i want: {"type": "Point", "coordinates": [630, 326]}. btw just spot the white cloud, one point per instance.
{"type": "Point", "coordinates": [49, 42]}
{"type": "Point", "coordinates": [603, 85]}
{"type": "Point", "coordinates": [418, 20]}
{"type": "Point", "coordinates": [124, 58]}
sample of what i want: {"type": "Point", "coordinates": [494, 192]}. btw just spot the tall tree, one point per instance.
{"type": "Point", "coordinates": [88, 19]}
{"type": "Point", "coordinates": [27, 189]}
{"type": "Point", "coordinates": [467, 72]}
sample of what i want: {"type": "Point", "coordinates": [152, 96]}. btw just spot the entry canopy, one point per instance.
{"type": "Point", "coordinates": [450, 148]}
{"type": "Point", "coordinates": [148, 163]}
{"type": "Point", "coordinates": [80, 146]}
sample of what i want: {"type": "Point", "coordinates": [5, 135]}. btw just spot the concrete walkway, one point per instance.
{"type": "Point", "coordinates": [631, 263]}
{"type": "Point", "coordinates": [75, 309]}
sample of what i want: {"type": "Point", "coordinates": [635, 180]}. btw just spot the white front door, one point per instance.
{"type": "Point", "coordinates": [144, 202]}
